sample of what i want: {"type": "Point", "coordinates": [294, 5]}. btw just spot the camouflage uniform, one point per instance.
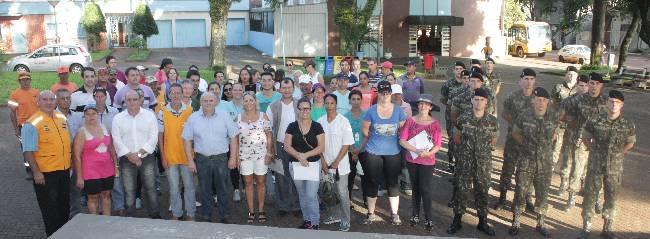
{"type": "Point", "coordinates": [474, 166]}
{"type": "Point", "coordinates": [605, 166]}
{"type": "Point", "coordinates": [515, 104]}
{"type": "Point", "coordinates": [534, 167]}
{"type": "Point", "coordinates": [491, 82]}
{"type": "Point", "coordinates": [448, 91]}
{"type": "Point", "coordinates": [559, 94]}
{"type": "Point", "coordinates": [463, 102]}
{"type": "Point", "coordinates": [579, 109]}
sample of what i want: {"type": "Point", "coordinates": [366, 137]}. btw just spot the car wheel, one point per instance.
{"type": "Point", "coordinates": [542, 54]}
{"type": "Point", "coordinates": [581, 61]}
{"type": "Point", "coordinates": [76, 68]}
{"type": "Point", "coordinates": [561, 59]}
{"type": "Point", "coordinates": [21, 67]}
{"type": "Point", "coordinates": [520, 52]}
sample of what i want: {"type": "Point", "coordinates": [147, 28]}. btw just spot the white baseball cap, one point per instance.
{"type": "Point", "coordinates": [396, 89]}
{"type": "Point", "coordinates": [304, 79]}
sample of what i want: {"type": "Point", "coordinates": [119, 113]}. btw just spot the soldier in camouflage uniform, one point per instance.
{"type": "Point", "coordinates": [463, 103]}
{"type": "Point", "coordinates": [583, 108]}
{"type": "Point", "coordinates": [451, 86]}
{"type": "Point", "coordinates": [535, 130]}
{"type": "Point", "coordinates": [516, 103]}
{"type": "Point", "coordinates": [476, 135]}
{"type": "Point", "coordinates": [492, 81]}
{"type": "Point", "coordinates": [608, 137]}
{"type": "Point", "coordinates": [561, 92]}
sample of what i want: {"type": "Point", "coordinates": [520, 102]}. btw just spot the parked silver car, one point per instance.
{"type": "Point", "coordinates": [51, 57]}
{"type": "Point", "coordinates": [574, 53]}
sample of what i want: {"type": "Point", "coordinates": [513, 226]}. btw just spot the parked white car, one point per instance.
{"type": "Point", "coordinates": [580, 54]}
{"type": "Point", "coordinates": [51, 57]}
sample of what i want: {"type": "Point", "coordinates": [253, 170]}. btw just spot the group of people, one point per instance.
{"type": "Point", "coordinates": [575, 124]}
{"type": "Point", "coordinates": [286, 134]}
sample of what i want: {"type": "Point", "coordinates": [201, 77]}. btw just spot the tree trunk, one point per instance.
{"type": "Point", "coordinates": [144, 43]}
{"type": "Point", "coordinates": [625, 44]}
{"type": "Point", "coordinates": [597, 31]}
{"type": "Point", "coordinates": [219, 20]}
{"type": "Point", "coordinates": [644, 8]}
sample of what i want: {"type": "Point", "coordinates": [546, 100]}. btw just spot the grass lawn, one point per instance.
{"type": "Point", "coordinates": [99, 55]}
{"type": "Point", "coordinates": [40, 81]}
{"type": "Point", "coordinates": [139, 55]}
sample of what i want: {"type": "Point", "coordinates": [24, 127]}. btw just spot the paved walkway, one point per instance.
{"type": "Point", "coordinates": [20, 216]}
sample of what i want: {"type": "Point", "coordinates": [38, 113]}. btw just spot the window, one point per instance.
{"type": "Point", "coordinates": [302, 2]}
{"type": "Point", "coordinates": [289, 2]}
{"type": "Point", "coordinates": [316, 1]}
{"type": "Point", "coordinates": [50, 30]}
{"type": "Point", "coordinates": [261, 22]}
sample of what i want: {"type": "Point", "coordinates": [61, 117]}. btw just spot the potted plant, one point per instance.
{"type": "Point", "coordinates": [388, 53]}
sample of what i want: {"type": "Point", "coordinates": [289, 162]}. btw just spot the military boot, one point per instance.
{"type": "Point", "coordinates": [571, 202]}
{"type": "Point", "coordinates": [586, 228]}
{"type": "Point", "coordinates": [514, 229]}
{"type": "Point", "coordinates": [456, 225]}
{"type": "Point", "coordinates": [484, 227]}
{"type": "Point", "coordinates": [607, 230]}
{"type": "Point", "coordinates": [502, 199]}
{"type": "Point", "coordinates": [541, 228]}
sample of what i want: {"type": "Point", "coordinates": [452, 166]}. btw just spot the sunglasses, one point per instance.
{"type": "Point", "coordinates": [227, 89]}
{"type": "Point", "coordinates": [288, 65]}
{"type": "Point", "coordinates": [304, 109]}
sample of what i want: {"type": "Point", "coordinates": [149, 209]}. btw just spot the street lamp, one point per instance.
{"type": "Point", "coordinates": [53, 3]}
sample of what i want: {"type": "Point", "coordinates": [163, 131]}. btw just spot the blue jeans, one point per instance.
{"type": "Point", "coordinates": [117, 195]}
{"type": "Point", "coordinates": [308, 195]}
{"type": "Point", "coordinates": [147, 173]}
{"type": "Point", "coordinates": [287, 197]}
{"type": "Point", "coordinates": [213, 170]}
{"type": "Point", "coordinates": [175, 175]}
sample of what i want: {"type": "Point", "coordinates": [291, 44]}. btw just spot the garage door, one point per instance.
{"type": "Point", "coordinates": [235, 33]}
{"type": "Point", "coordinates": [190, 33]}
{"type": "Point", "coordinates": [164, 37]}
{"type": "Point", "coordinates": [302, 39]}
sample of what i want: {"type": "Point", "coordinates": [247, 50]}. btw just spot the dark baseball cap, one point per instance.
{"type": "Point", "coordinates": [384, 86]}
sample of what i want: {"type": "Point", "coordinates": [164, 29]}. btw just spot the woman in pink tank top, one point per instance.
{"type": "Point", "coordinates": [94, 157]}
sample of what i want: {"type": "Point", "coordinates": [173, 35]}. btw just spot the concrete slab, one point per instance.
{"type": "Point", "coordinates": [99, 227]}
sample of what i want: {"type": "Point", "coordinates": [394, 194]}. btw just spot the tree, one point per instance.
{"type": "Point", "coordinates": [143, 23]}
{"type": "Point", "coordinates": [218, 19]}
{"type": "Point", "coordinates": [644, 14]}
{"type": "Point", "coordinates": [352, 22]}
{"type": "Point", "coordinates": [598, 31]}
{"type": "Point", "coordinates": [94, 23]}
{"type": "Point", "coordinates": [575, 13]}
{"type": "Point", "coordinates": [513, 13]}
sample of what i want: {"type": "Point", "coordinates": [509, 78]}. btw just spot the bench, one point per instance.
{"type": "Point", "coordinates": [637, 77]}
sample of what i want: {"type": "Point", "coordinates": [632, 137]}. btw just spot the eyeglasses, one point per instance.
{"type": "Point", "coordinates": [288, 65]}
{"type": "Point", "coordinates": [227, 89]}
{"type": "Point", "coordinates": [305, 109]}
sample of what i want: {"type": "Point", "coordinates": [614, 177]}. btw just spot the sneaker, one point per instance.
{"type": "Point", "coordinates": [331, 220]}
{"type": "Point", "coordinates": [197, 203]}
{"type": "Point", "coordinates": [395, 220]}
{"type": "Point", "coordinates": [415, 219]}
{"type": "Point", "coordinates": [344, 226]}
{"type": "Point", "coordinates": [215, 199]}
{"type": "Point", "coordinates": [236, 196]}
{"type": "Point", "coordinates": [315, 227]}
{"type": "Point", "coordinates": [305, 225]}
{"type": "Point", "coordinates": [170, 208]}
{"type": "Point", "coordinates": [428, 225]}
{"type": "Point", "coordinates": [370, 219]}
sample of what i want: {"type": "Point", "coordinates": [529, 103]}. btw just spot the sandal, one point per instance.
{"type": "Point", "coordinates": [262, 217]}
{"type": "Point", "coordinates": [251, 217]}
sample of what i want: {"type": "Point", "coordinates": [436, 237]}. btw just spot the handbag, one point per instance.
{"type": "Point", "coordinates": [326, 190]}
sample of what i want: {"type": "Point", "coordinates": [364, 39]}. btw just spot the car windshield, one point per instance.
{"type": "Point", "coordinates": [539, 32]}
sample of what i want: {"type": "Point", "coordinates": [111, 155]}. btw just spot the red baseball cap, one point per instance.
{"type": "Point", "coordinates": [387, 64]}
{"type": "Point", "coordinates": [62, 70]}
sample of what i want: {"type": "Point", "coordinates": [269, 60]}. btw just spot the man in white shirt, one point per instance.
{"type": "Point", "coordinates": [84, 95]}
{"type": "Point", "coordinates": [281, 113]}
{"type": "Point", "coordinates": [135, 136]}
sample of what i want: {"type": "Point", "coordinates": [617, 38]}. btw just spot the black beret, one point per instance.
{"type": "Point", "coordinates": [596, 77]}
{"type": "Point", "coordinates": [465, 73]}
{"type": "Point", "coordinates": [528, 72]}
{"type": "Point", "coordinates": [616, 95]}
{"type": "Point", "coordinates": [460, 63]}
{"type": "Point", "coordinates": [477, 69]}
{"type": "Point", "coordinates": [476, 61]}
{"type": "Point", "coordinates": [490, 59]}
{"type": "Point", "coordinates": [476, 75]}
{"type": "Point", "coordinates": [541, 92]}
{"type": "Point", "coordinates": [572, 68]}
{"type": "Point", "coordinates": [482, 93]}
{"type": "Point", "coordinates": [583, 78]}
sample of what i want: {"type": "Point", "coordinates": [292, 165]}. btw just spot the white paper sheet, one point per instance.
{"type": "Point", "coordinates": [421, 141]}
{"type": "Point", "coordinates": [310, 173]}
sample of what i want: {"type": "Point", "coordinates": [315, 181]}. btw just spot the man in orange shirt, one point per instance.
{"type": "Point", "coordinates": [22, 103]}
{"type": "Point", "coordinates": [63, 81]}
{"type": "Point", "coordinates": [46, 146]}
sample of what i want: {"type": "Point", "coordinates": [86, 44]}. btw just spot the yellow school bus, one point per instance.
{"type": "Point", "coordinates": [529, 38]}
